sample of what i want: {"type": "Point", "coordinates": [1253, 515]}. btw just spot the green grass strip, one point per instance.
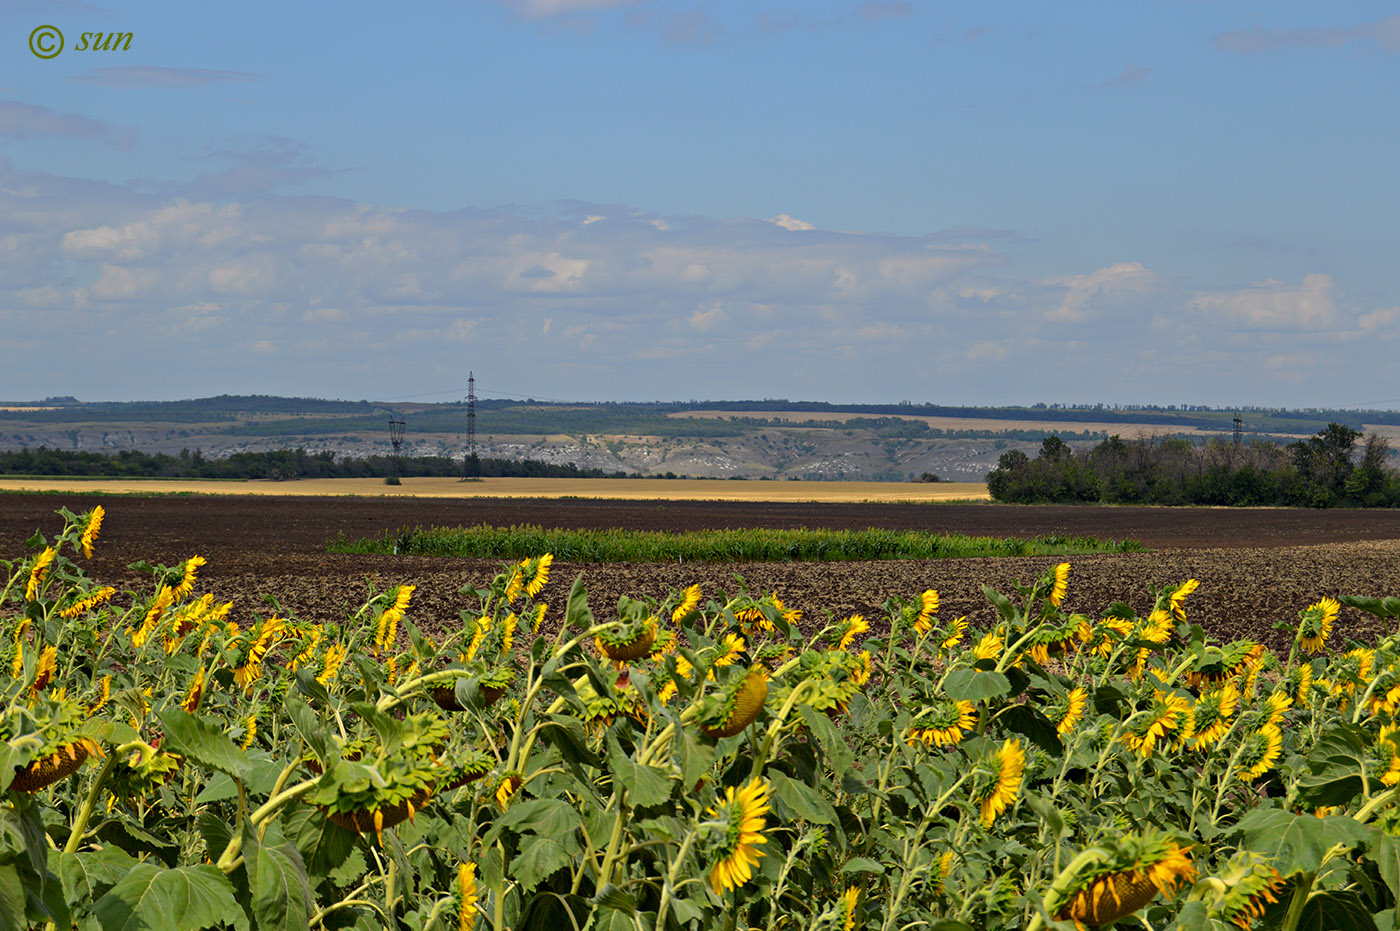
{"type": "Point", "coordinates": [802, 545]}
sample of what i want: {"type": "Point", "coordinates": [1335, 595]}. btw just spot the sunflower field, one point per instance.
{"type": "Point", "coordinates": [169, 761]}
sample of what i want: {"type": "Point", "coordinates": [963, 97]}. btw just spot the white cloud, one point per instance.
{"type": "Point", "coordinates": [1379, 319]}
{"type": "Point", "coordinates": [790, 223]}
{"type": "Point", "coordinates": [706, 319]}
{"type": "Point", "coordinates": [1273, 305]}
{"type": "Point", "coordinates": [1084, 294]}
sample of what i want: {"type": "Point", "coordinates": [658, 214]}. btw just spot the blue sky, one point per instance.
{"type": "Point", "coordinates": [1167, 201]}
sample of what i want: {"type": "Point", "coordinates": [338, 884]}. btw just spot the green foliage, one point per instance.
{"type": "Point", "coordinates": [264, 772]}
{"type": "Point", "coordinates": [1321, 471]}
{"type": "Point", "coordinates": [750, 545]}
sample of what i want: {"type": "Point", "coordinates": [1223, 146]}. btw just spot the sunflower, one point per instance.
{"type": "Point", "coordinates": [250, 731]}
{"type": "Point", "coordinates": [1061, 584]}
{"type": "Point", "coordinates": [1210, 717]}
{"type": "Point", "coordinates": [737, 706]}
{"type": "Point", "coordinates": [37, 572]}
{"type": "Point", "coordinates": [989, 647]}
{"type": "Point", "coordinates": [1276, 706]}
{"type": "Point", "coordinates": [311, 640]}
{"type": "Point", "coordinates": [506, 789]}
{"type": "Point", "coordinates": [928, 607]}
{"type": "Point", "coordinates": [162, 602]}
{"type": "Point", "coordinates": [683, 671]}
{"type": "Point", "coordinates": [467, 896]}
{"type": "Point", "coordinates": [730, 650]}
{"type": "Point", "coordinates": [196, 692]}
{"type": "Point", "coordinates": [953, 634]}
{"type": "Point", "coordinates": [1241, 890]}
{"type": "Point", "coordinates": [91, 529]}
{"type": "Point", "coordinates": [90, 601]}
{"type": "Point", "coordinates": [1120, 877]}
{"type": "Point", "coordinates": [1300, 683]}
{"type": "Point", "coordinates": [43, 672]}
{"type": "Point", "coordinates": [1070, 710]}
{"type": "Point", "coordinates": [846, 908]}
{"type": "Point", "coordinates": [851, 628]}
{"type": "Point", "coordinates": [861, 674]}
{"type": "Point", "coordinates": [481, 628]}
{"type": "Point", "coordinates": [104, 694]}
{"type": "Point", "coordinates": [191, 568]}
{"type": "Point", "coordinates": [1157, 628]}
{"type": "Point", "coordinates": [742, 812]}
{"type": "Point", "coordinates": [1101, 638]}
{"type": "Point", "coordinates": [1316, 625]}
{"type": "Point", "coordinates": [258, 640]}
{"type": "Point", "coordinates": [1260, 752]}
{"type": "Point", "coordinates": [1177, 599]}
{"type": "Point", "coordinates": [541, 576]}
{"type": "Point", "coordinates": [1356, 669]}
{"type": "Point", "coordinates": [1168, 712]}
{"type": "Point", "coordinates": [943, 725]}
{"type": "Point", "coordinates": [387, 631]}
{"type": "Point", "coordinates": [997, 786]}
{"type": "Point", "coordinates": [690, 600]}
{"type": "Point", "coordinates": [331, 662]}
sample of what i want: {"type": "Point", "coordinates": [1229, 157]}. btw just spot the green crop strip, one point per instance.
{"type": "Point", "coordinates": [763, 545]}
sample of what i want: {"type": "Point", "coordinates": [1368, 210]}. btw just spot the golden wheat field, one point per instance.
{"type": "Point", "coordinates": [647, 489]}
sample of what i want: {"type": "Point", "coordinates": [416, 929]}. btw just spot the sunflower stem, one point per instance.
{"type": "Point", "coordinates": [1301, 893]}
{"type": "Point", "coordinates": [75, 836]}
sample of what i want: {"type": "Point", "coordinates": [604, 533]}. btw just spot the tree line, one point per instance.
{"type": "Point", "coordinates": [274, 464]}
{"type": "Point", "coordinates": [1334, 468]}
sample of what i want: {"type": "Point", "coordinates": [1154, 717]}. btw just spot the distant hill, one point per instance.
{"type": "Point", "coordinates": [774, 438]}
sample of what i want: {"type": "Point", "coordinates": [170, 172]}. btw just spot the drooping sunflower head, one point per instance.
{"type": "Point", "coordinates": [997, 780]}
{"type": "Point", "coordinates": [189, 570]}
{"type": "Point", "coordinates": [1059, 584]}
{"type": "Point", "coordinates": [1241, 890]}
{"type": "Point", "coordinates": [90, 530]}
{"type": "Point", "coordinates": [943, 724]}
{"type": "Point", "coordinates": [1166, 714]}
{"type": "Point", "coordinates": [1212, 716]}
{"type": "Point", "coordinates": [952, 635]}
{"type": "Point", "coordinates": [730, 711]}
{"type": "Point", "coordinates": [741, 815]}
{"type": "Point", "coordinates": [685, 607]}
{"type": "Point", "coordinates": [928, 607]}
{"type": "Point", "coordinates": [1069, 710]}
{"type": "Point", "coordinates": [1157, 628]}
{"type": "Point", "coordinates": [1177, 598]}
{"type": "Point", "coordinates": [1316, 624]}
{"type": "Point", "coordinates": [38, 571]}
{"type": "Point", "coordinates": [989, 647]}
{"type": "Point", "coordinates": [849, 629]}
{"type": "Point", "coordinates": [466, 896]}
{"type": "Point", "coordinates": [1120, 876]}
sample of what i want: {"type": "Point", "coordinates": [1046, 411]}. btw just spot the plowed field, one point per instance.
{"type": "Point", "coordinates": [1256, 566]}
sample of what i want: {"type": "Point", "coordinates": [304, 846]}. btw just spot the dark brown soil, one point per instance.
{"type": "Point", "coordinates": [1256, 566]}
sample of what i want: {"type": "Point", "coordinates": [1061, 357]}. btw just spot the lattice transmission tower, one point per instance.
{"type": "Point", "coordinates": [396, 428]}
{"type": "Point", "coordinates": [471, 464]}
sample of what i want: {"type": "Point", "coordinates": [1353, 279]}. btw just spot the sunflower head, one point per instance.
{"type": "Point", "coordinates": [943, 724]}
{"type": "Point", "coordinates": [1111, 881]}
{"type": "Point", "coordinates": [1059, 584]}
{"type": "Point", "coordinates": [1241, 890]}
{"type": "Point", "coordinates": [740, 815]}
{"type": "Point", "coordinates": [997, 780]}
{"type": "Point", "coordinates": [1315, 624]}
{"type": "Point", "coordinates": [849, 629]}
{"type": "Point", "coordinates": [1167, 713]}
